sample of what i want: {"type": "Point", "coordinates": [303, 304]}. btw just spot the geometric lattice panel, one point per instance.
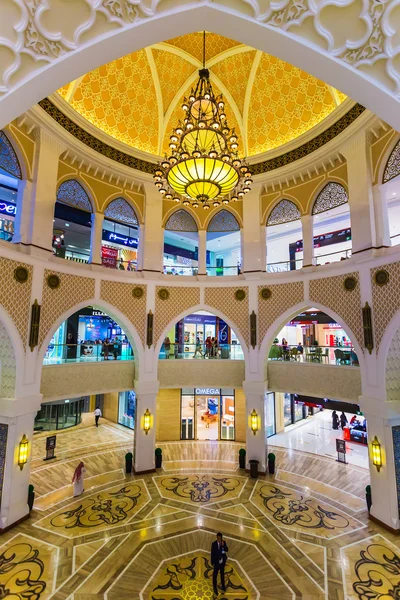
{"type": "Point", "coordinates": [223, 220]}
{"type": "Point", "coordinates": [8, 158]}
{"type": "Point", "coordinates": [283, 297]}
{"type": "Point", "coordinates": [392, 168]}
{"type": "Point", "coordinates": [180, 299]}
{"type": "Point", "coordinates": [120, 295]}
{"type": "Point", "coordinates": [393, 369]}
{"type": "Point", "coordinates": [330, 292]}
{"type": "Point", "coordinates": [181, 220]}
{"type": "Point", "coordinates": [284, 212]}
{"type": "Point", "coordinates": [73, 289]}
{"type": "Point", "coordinates": [72, 193]}
{"type": "Point", "coordinates": [224, 302]}
{"type": "Point", "coordinates": [332, 196]}
{"type": "Point", "coordinates": [120, 210]}
{"type": "Point", "coordinates": [385, 300]}
{"type": "Point", "coordinates": [16, 297]}
{"type": "Point", "coordinates": [8, 366]}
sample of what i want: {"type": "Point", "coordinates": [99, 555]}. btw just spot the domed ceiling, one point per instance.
{"type": "Point", "coordinates": [137, 98]}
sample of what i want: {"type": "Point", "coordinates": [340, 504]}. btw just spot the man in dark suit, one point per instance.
{"type": "Point", "coordinates": [219, 551]}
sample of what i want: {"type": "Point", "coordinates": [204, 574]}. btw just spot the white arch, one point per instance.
{"type": "Point", "coordinates": [292, 312]}
{"type": "Point", "coordinates": [384, 347]}
{"type": "Point", "coordinates": [214, 312]}
{"type": "Point", "coordinates": [242, 21]}
{"type": "Point", "coordinates": [110, 310]}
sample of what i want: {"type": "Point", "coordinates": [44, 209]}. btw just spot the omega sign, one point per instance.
{"type": "Point", "coordinates": [207, 391]}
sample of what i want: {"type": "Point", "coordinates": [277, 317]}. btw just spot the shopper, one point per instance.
{"type": "Point", "coordinates": [106, 349]}
{"type": "Point", "coordinates": [219, 551]}
{"type": "Point", "coordinates": [77, 479]}
{"type": "Point", "coordinates": [208, 346]}
{"type": "Point", "coordinates": [97, 415]}
{"type": "Point", "coordinates": [215, 347]}
{"type": "Point", "coordinates": [198, 348]}
{"type": "Point", "coordinates": [335, 420]}
{"type": "Point", "coordinates": [167, 347]}
{"type": "Point", "coordinates": [115, 348]}
{"type": "Point", "coordinates": [343, 420]}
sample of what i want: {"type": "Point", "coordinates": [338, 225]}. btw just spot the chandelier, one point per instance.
{"type": "Point", "coordinates": [204, 167]}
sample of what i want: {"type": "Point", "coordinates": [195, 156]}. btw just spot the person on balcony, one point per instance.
{"type": "Point", "coordinates": [198, 348]}
{"type": "Point", "coordinates": [167, 347]}
{"type": "Point", "coordinates": [276, 351]}
{"type": "Point", "coordinates": [208, 346]}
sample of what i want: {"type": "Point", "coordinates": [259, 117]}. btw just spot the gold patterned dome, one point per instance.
{"type": "Point", "coordinates": [137, 99]}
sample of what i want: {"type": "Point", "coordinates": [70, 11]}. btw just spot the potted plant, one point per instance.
{"type": "Point", "coordinates": [368, 497]}
{"type": "Point", "coordinates": [271, 463]}
{"type": "Point", "coordinates": [158, 453]}
{"type": "Point", "coordinates": [128, 463]}
{"type": "Point", "coordinates": [242, 458]}
{"type": "Point", "coordinates": [31, 496]}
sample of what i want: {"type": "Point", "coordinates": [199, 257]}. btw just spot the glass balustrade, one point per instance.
{"type": "Point", "coordinates": [324, 355]}
{"type": "Point", "coordinates": [87, 352]}
{"type": "Point", "coordinates": [174, 351]}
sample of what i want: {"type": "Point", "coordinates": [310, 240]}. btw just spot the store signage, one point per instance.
{"type": "Point", "coordinates": [207, 391]}
{"type": "Point", "coordinates": [116, 238]}
{"type": "Point", "coordinates": [201, 319]}
{"type": "Point", "coordinates": [8, 208]}
{"type": "Point", "coordinates": [333, 237]}
{"type": "Point", "coordinates": [109, 256]}
{"type": "Point", "coordinates": [50, 447]}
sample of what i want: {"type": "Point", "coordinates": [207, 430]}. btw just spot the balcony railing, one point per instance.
{"type": "Point", "coordinates": [221, 271]}
{"type": "Point", "coordinates": [333, 257]}
{"type": "Point", "coordinates": [57, 354]}
{"type": "Point", "coordinates": [177, 351]}
{"type": "Point", "coordinates": [179, 270]}
{"type": "Point", "coordinates": [332, 355]}
{"type": "Point", "coordinates": [286, 265]}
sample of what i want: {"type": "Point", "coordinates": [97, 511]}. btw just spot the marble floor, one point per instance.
{"type": "Point", "coordinates": [316, 435]}
{"type": "Point", "coordinates": [303, 533]}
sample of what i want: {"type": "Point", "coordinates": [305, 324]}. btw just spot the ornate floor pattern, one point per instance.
{"type": "Point", "coordinates": [302, 535]}
{"type": "Point", "coordinates": [293, 510]}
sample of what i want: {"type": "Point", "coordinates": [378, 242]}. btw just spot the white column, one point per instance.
{"type": "Point", "coordinates": [252, 261]}
{"type": "Point", "coordinates": [308, 240]}
{"type": "Point", "coordinates": [22, 218]}
{"type": "Point", "coordinates": [363, 230]}
{"type": "Point", "coordinates": [202, 252]}
{"type": "Point", "coordinates": [256, 445]}
{"type": "Point", "coordinates": [140, 252]}
{"type": "Point", "coordinates": [381, 215]}
{"type": "Point", "coordinates": [263, 248]}
{"type": "Point", "coordinates": [153, 230]}
{"type": "Point", "coordinates": [35, 223]}
{"type": "Point", "coordinates": [18, 422]}
{"type": "Point", "coordinates": [96, 233]}
{"type": "Point", "coordinates": [145, 444]}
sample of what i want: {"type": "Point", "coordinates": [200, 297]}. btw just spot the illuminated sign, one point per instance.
{"type": "Point", "coordinates": [123, 240]}
{"type": "Point", "coordinates": [207, 392]}
{"type": "Point", "coordinates": [8, 208]}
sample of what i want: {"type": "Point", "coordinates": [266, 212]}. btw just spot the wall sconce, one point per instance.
{"type": "Point", "coordinates": [376, 453]}
{"type": "Point", "coordinates": [23, 452]}
{"type": "Point", "coordinates": [147, 421]}
{"type": "Point", "coordinates": [254, 421]}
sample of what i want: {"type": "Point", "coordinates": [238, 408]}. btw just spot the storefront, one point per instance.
{"type": "Point", "coordinates": [61, 414]}
{"type": "Point", "coordinates": [208, 414]}
{"type": "Point", "coordinates": [120, 246]}
{"type": "Point", "coordinates": [296, 408]}
{"type": "Point", "coordinates": [71, 233]}
{"type": "Point", "coordinates": [8, 205]}
{"type": "Point", "coordinates": [270, 414]}
{"type": "Point", "coordinates": [127, 408]}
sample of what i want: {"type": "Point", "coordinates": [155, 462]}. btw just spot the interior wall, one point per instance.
{"type": "Point", "coordinates": [279, 419]}
{"type": "Point", "coordinates": [240, 415]}
{"type": "Point", "coordinates": [110, 406]}
{"type": "Point", "coordinates": [168, 415]}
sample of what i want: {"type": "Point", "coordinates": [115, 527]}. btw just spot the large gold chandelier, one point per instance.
{"type": "Point", "coordinates": [204, 166]}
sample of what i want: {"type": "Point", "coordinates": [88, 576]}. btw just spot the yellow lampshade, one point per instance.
{"type": "Point", "coordinates": [254, 421]}
{"type": "Point", "coordinates": [204, 139]}
{"type": "Point", "coordinates": [198, 176]}
{"type": "Point", "coordinates": [23, 452]}
{"type": "Point", "coordinates": [147, 421]}
{"type": "Point", "coordinates": [376, 453]}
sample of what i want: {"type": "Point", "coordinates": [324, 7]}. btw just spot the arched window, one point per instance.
{"type": "Point", "coordinates": [72, 222]}
{"type": "Point", "coordinates": [284, 212]}
{"type": "Point", "coordinates": [120, 236]}
{"type": "Point", "coordinates": [8, 159]}
{"type": "Point", "coordinates": [223, 247]}
{"type": "Point", "coordinates": [10, 174]}
{"type": "Point", "coordinates": [181, 244]}
{"type": "Point", "coordinates": [120, 210]}
{"type": "Point", "coordinates": [392, 168]}
{"type": "Point", "coordinates": [283, 234]}
{"type": "Point", "coordinates": [331, 224]}
{"type": "Point", "coordinates": [72, 193]}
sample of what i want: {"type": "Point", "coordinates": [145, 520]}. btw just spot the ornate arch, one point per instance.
{"type": "Point", "coordinates": [73, 193]}
{"type": "Point", "coordinates": [392, 168]}
{"type": "Point", "coordinates": [331, 196]}
{"type": "Point", "coordinates": [8, 157]}
{"type": "Point", "coordinates": [223, 220]}
{"type": "Point", "coordinates": [181, 220]}
{"type": "Point", "coordinates": [285, 211]}
{"type": "Point", "coordinates": [120, 210]}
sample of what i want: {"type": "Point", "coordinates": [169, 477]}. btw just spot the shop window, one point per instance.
{"type": "Point", "coordinates": [287, 410]}
{"type": "Point", "coordinates": [270, 423]}
{"type": "Point", "coordinates": [61, 414]}
{"type": "Point", "coordinates": [127, 409]}
{"type": "Point", "coordinates": [223, 246]}
{"type": "Point", "coordinates": [284, 230]}
{"type": "Point", "coordinates": [207, 414]}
